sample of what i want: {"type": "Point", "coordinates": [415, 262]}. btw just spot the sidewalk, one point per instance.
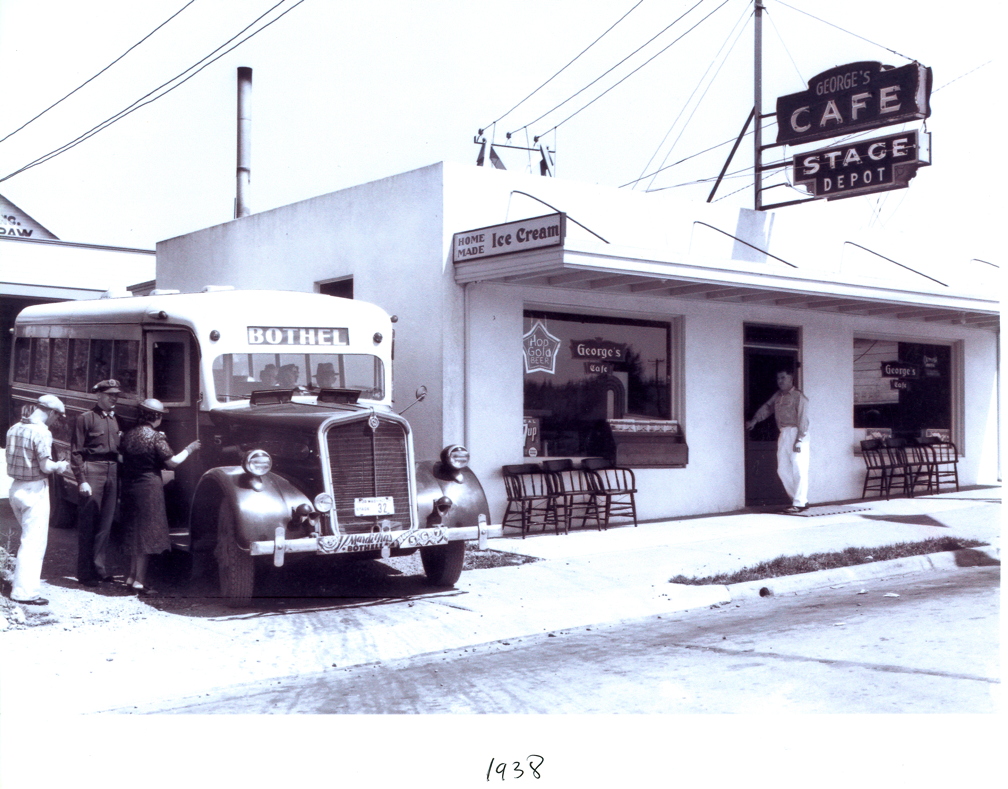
{"type": "Point", "coordinates": [586, 578]}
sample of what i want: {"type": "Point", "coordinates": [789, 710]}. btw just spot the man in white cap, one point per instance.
{"type": "Point", "coordinates": [29, 462]}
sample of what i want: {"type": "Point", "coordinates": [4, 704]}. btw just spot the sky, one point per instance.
{"type": "Point", "coordinates": [348, 92]}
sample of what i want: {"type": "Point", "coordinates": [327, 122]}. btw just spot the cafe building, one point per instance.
{"type": "Point", "coordinates": [552, 319]}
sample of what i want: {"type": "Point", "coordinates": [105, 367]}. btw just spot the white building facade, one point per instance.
{"type": "Point", "coordinates": [664, 319]}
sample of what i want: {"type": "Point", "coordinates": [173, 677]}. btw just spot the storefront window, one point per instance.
{"type": "Point", "coordinates": [581, 371]}
{"type": "Point", "coordinates": [902, 389]}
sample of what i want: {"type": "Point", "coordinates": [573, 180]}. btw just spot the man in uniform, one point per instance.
{"type": "Point", "coordinates": [94, 458]}
{"type": "Point", "coordinates": [29, 461]}
{"type": "Point", "coordinates": [790, 409]}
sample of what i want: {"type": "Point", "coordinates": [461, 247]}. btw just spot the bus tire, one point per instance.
{"type": "Point", "coordinates": [443, 563]}
{"type": "Point", "coordinates": [235, 567]}
{"type": "Point", "coordinates": [62, 514]}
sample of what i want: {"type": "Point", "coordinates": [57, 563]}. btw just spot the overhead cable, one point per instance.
{"type": "Point", "coordinates": [848, 32]}
{"type": "Point", "coordinates": [558, 106]}
{"type": "Point", "coordinates": [110, 65]}
{"type": "Point", "coordinates": [742, 19]}
{"type": "Point", "coordinates": [141, 103]}
{"type": "Point", "coordinates": [642, 65]}
{"type": "Point", "coordinates": [593, 43]}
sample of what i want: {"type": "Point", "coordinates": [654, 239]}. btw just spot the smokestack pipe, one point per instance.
{"type": "Point", "coordinates": [244, 140]}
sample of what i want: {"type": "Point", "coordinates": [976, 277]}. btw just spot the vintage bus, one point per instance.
{"type": "Point", "coordinates": [290, 395]}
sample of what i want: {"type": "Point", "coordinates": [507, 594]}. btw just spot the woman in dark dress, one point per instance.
{"type": "Point", "coordinates": [145, 452]}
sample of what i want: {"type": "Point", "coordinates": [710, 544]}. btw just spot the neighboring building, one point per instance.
{"type": "Point", "coordinates": [648, 331]}
{"type": "Point", "coordinates": [36, 267]}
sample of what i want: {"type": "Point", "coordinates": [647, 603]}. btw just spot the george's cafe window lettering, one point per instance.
{"type": "Point", "coordinates": [297, 335]}
{"type": "Point", "coordinates": [581, 370]}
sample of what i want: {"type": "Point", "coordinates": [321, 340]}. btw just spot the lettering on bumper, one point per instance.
{"type": "Point", "coordinates": [356, 543]}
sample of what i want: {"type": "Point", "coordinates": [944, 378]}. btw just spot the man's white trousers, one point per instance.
{"type": "Point", "coordinates": [30, 502]}
{"type": "Point", "coordinates": [792, 467]}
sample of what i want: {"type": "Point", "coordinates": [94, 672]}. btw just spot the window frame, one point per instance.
{"type": "Point", "coordinates": [957, 379]}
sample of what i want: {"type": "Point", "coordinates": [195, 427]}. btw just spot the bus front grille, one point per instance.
{"type": "Point", "coordinates": [365, 463]}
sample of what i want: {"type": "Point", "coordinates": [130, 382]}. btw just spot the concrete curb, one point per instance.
{"type": "Point", "coordinates": [982, 556]}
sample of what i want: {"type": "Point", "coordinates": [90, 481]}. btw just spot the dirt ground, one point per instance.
{"type": "Point", "coordinates": [113, 604]}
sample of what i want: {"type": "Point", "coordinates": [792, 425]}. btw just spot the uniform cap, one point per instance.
{"type": "Point", "coordinates": [53, 403]}
{"type": "Point", "coordinates": [111, 386]}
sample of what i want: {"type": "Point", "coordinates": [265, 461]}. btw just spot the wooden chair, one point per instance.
{"type": "Point", "coordinates": [530, 500]}
{"type": "Point", "coordinates": [944, 460]}
{"type": "Point", "coordinates": [617, 485]}
{"type": "Point", "coordinates": [574, 491]}
{"type": "Point", "coordinates": [876, 468]}
{"type": "Point", "coordinates": [908, 465]}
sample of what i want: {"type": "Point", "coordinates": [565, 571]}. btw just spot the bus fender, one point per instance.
{"type": "Point", "coordinates": [462, 487]}
{"type": "Point", "coordinates": [260, 504]}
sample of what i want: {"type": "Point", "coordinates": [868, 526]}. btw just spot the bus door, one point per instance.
{"type": "Point", "coordinates": [172, 365]}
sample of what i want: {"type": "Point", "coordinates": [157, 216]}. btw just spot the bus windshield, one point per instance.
{"type": "Point", "coordinates": [237, 375]}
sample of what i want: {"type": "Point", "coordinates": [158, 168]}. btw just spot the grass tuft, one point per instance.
{"type": "Point", "coordinates": [849, 557]}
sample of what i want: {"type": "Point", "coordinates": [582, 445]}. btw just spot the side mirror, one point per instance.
{"type": "Point", "coordinates": [421, 395]}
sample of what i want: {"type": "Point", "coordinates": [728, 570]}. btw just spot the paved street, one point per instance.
{"type": "Point", "coordinates": [922, 644]}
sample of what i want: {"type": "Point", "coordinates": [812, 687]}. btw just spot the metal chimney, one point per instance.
{"type": "Point", "coordinates": [244, 140]}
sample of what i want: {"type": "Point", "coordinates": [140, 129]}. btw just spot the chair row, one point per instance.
{"type": "Point", "coordinates": [558, 491]}
{"type": "Point", "coordinates": [922, 462]}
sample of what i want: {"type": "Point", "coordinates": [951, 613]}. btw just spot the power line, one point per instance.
{"type": "Point", "coordinates": [558, 106]}
{"type": "Point", "coordinates": [593, 43]}
{"type": "Point", "coordinates": [848, 32]}
{"type": "Point", "coordinates": [686, 159]}
{"type": "Point", "coordinates": [963, 75]}
{"type": "Point", "coordinates": [141, 103]}
{"type": "Point", "coordinates": [742, 19]}
{"type": "Point", "coordinates": [642, 65]}
{"type": "Point", "coordinates": [110, 65]}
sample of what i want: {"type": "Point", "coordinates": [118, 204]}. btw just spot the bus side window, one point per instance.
{"type": "Point", "coordinates": [22, 359]}
{"type": "Point", "coordinates": [168, 371]}
{"type": "Point", "coordinates": [101, 362]}
{"type": "Point", "coordinates": [77, 377]}
{"type": "Point", "coordinates": [40, 361]}
{"type": "Point", "coordinates": [127, 354]}
{"type": "Point", "coordinates": [58, 364]}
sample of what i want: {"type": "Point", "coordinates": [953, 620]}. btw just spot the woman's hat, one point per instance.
{"type": "Point", "coordinates": [153, 406]}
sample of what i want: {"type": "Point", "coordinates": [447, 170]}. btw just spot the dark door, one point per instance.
{"type": "Point", "coordinates": [762, 485]}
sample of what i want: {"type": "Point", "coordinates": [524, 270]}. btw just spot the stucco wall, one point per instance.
{"type": "Point", "coordinates": [714, 480]}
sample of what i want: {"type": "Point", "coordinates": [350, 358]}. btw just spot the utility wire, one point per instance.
{"type": "Point", "coordinates": [742, 19]}
{"type": "Point", "coordinates": [593, 43]}
{"type": "Point", "coordinates": [141, 103]}
{"type": "Point", "coordinates": [848, 32]}
{"type": "Point", "coordinates": [687, 158]}
{"type": "Point", "coordinates": [642, 65]}
{"type": "Point", "coordinates": [110, 65]}
{"type": "Point", "coordinates": [962, 75]}
{"type": "Point", "coordinates": [558, 106]}
{"type": "Point", "coordinates": [790, 56]}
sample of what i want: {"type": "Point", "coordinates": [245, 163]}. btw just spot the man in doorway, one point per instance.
{"type": "Point", "coordinates": [790, 409]}
{"type": "Point", "coordinates": [29, 461]}
{"type": "Point", "coordinates": [94, 457]}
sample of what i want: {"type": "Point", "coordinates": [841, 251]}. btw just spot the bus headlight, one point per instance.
{"type": "Point", "coordinates": [455, 456]}
{"type": "Point", "coordinates": [257, 462]}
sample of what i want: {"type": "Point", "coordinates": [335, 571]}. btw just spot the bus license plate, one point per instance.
{"type": "Point", "coordinates": [372, 506]}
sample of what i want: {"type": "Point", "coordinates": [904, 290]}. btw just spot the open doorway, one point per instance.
{"type": "Point", "coordinates": [766, 350]}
